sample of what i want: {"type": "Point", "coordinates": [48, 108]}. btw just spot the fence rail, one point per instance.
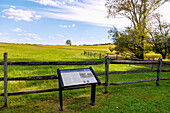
{"type": "Point", "coordinates": [137, 81]}
{"type": "Point", "coordinates": [106, 73]}
{"type": "Point", "coordinates": [133, 62]}
{"type": "Point", "coordinates": [55, 63]}
{"type": "Point", "coordinates": [31, 78]}
{"type": "Point", "coordinates": [49, 77]}
{"type": "Point", "coordinates": [41, 90]}
{"type": "Point", "coordinates": [78, 87]}
{"type": "Point", "coordinates": [85, 62]}
{"type": "Point", "coordinates": [116, 56]}
{"type": "Point", "coordinates": [165, 63]}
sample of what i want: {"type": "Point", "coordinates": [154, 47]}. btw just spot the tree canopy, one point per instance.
{"type": "Point", "coordinates": [68, 42]}
{"type": "Point", "coordinates": [160, 36]}
{"type": "Point", "coordinates": [139, 12]}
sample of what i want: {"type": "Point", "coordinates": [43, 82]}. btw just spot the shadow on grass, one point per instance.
{"type": "Point", "coordinates": [84, 103]}
{"type": "Point", "coordinates": [2, 108]}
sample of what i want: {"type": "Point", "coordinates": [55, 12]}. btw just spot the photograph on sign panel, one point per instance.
{"type": "Point", "coordinates": [87, 77]}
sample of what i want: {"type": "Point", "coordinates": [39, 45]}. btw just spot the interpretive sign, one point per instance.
{"type": "Point", "coordinates": [77, 77]}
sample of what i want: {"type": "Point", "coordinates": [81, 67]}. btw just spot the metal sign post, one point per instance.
{"type": "Point", "coordinates": [77, 77]}
{"type": "Point", "coordinates": [93, 90]}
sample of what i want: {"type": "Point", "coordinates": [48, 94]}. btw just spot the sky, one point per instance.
{"type": "Point", "coordinates": [52, 22]}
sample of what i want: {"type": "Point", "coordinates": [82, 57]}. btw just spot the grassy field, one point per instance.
{"type": "Point", "coordinates": [130, 98]}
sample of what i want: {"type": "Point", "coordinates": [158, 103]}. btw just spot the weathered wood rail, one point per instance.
{"type": "Point", "coordinates": [56, 76]}
{"type": "Point", "coordinates": [133, 62]}
{"type": "Point", "coordinates": [78, 87]}
{"type": "Point", "coordinates": [106, 73]}
{"type": "Point", "coordinates": [164, 63]}
{"type": "Point", "coordinates": [31, 78]}
{"type": "Point", "coordinates": [55, 63]}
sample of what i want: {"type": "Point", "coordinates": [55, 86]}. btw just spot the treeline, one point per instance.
{"type": "Point", "coordinates": [96, 44]}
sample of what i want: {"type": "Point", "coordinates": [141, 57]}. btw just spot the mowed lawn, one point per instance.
{"type": "Point", "coordinates": [129, 98]}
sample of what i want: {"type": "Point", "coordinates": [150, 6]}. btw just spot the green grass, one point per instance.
{"type": "Point", "coordinates": [129, 98]}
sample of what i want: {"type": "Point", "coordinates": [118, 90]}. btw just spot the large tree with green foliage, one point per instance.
{"type": "Point", "coordinates": [139, 13]}
{"type": "Point", "coordinates": [68, 42]}
{"type": "Point", "coordinates": [160, 36]}
{"type": "Point", "coordinates": [129, 41]}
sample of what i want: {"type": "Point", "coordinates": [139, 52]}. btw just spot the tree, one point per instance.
{"type": "Point", "coordinates": [139, 13]}
{"type": "Point", "coordinates": [111, 49]}
{"type": "Point", "coordinates": [160, 37]}
{"type": "Point", "coordinates": [68, 42]}
{"type": "Point", "coordinates": [128, 41]}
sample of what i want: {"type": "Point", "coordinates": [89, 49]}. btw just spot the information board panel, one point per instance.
{"type": "Point", "coordinates": [77, 77]}
{"type": "Point", "coordinates": [73, 77]}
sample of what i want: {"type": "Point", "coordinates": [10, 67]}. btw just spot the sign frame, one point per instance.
{"type": "Point", "coordinates": [62, 83]}
{"type": "Point", "coordinates": [62, 87]}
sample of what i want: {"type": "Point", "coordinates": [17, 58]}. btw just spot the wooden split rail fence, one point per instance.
{"type": "Point", "coordinates": [106, 73]}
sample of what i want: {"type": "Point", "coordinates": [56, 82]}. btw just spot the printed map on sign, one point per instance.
{"type": "Point", "coordinates": [77, 76]}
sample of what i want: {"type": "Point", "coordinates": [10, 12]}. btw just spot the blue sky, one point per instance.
{"type": "Point", "coordinates": [55, 21]}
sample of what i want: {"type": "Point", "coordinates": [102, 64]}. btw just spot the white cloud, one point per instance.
{"type": "Point", "coordinates": [3, 33]}
{"type": "Point", "coordinates": [27, 38]}
{"type": "Point", "coordinates": [3, 16]}
{"type": "Point", "coordinates": [59, 35]}
{"type": "Point", "coordinates": [17, 30]}
{"type": "Point", "coordinates": [73, 25]}
{"type": "Point", "coordinates": [37, 17]}
{"type": "Point", "coordinates": [36, 38]}
{"type": "Point", "coordinates": [19, 14]}
{"type": "Point", "coordinates": [54, 3]}
{"type": "Point", "coordinates": [67, 26]}
{"type": "Point", "coordinates": [90, 11]}
{"type": "Point", "coordinates": [4, 39]}
{"type": "Point", "coordinates": [71, 1]}
{"type": "Point", "coordinates": [12, 6]}
{"type": "Point", "coordinates": [7, 39]}
{"type": "Point", "coordinates": [33, 38]}
{"type": "Point", "coordinates": [20, 40]}
{"type": "Point", "coordinates": [63, 26]}
{"type": "Point", "coordinates": [30, 36]}
{"type": "Point", "coordinates": [48, 2]}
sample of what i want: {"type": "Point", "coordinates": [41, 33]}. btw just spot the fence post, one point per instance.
{"type": "Point", "coordinates": [116, 56]}
{"type": "Point", "coordinates": [106, 74]}
{"type": "Point", "coordinates": [159, 71]}
{"type": "Point", "coordinates": [5, 80]}
{"type": "Point", "coordinates": [130, 59]}
{"type": "Point", "coordinates": [100, 55]}
{"type": "Point", "coordinates": [152, 64]}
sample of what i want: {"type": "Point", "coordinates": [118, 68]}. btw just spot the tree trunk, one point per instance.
{"type": "Point", "coordinates": [141, 56]}
{"type": "Point", "coordinates": [163, 56]}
